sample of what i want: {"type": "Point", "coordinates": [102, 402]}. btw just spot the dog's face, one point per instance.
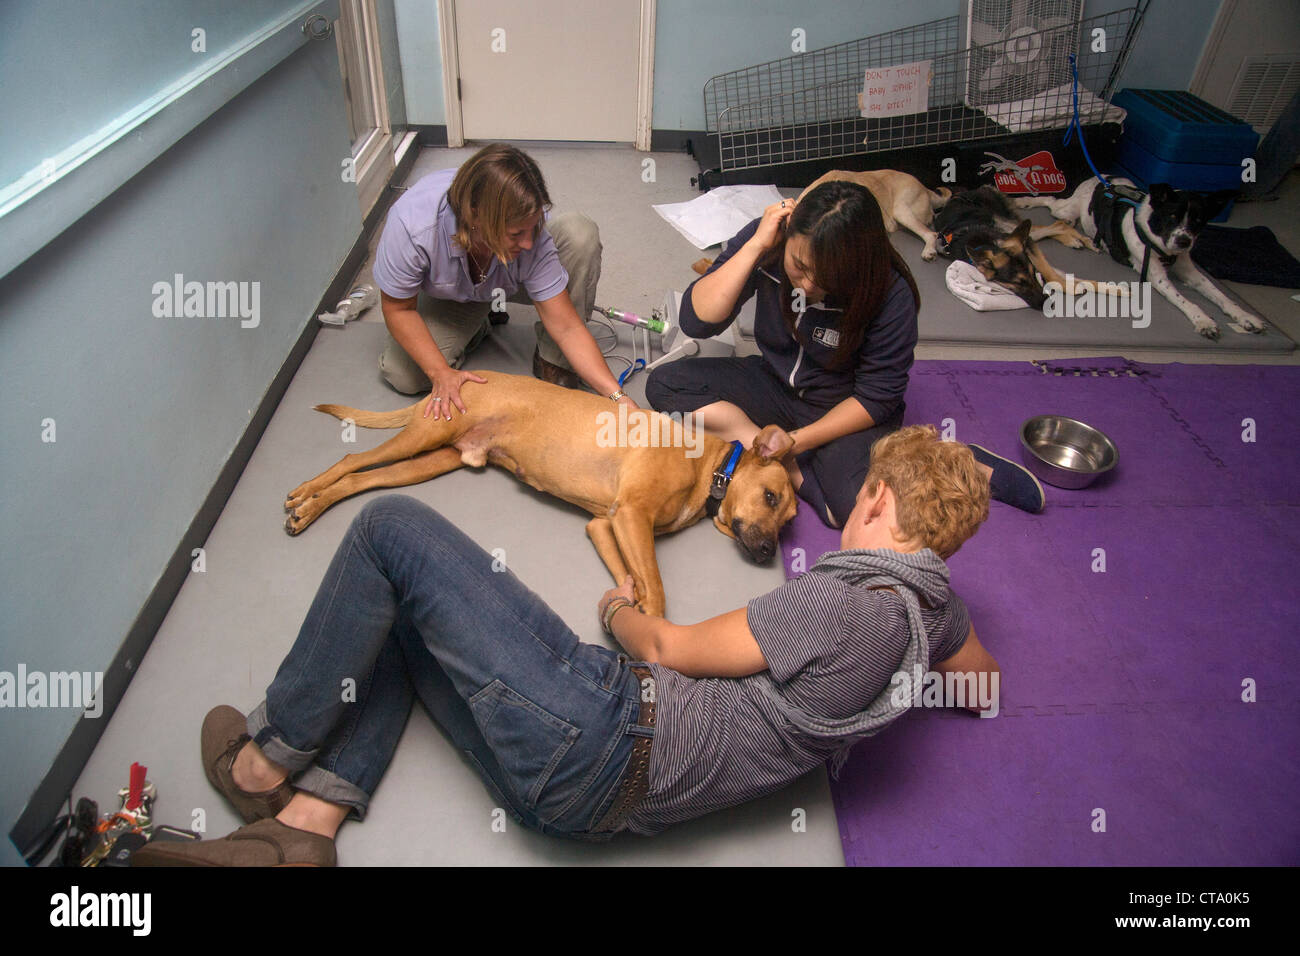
{"type": "Point", "coordinates": [759, 502]}
{"type": "Point", "coordinates": [1006, 263]}
{"type": "Point", "coordinates": [1176, 217]}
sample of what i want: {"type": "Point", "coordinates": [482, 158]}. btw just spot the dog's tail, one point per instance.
{"type": "Point", "coordinates": [394, 419]}
{"type": "Point", "coordinates": [939, 197]}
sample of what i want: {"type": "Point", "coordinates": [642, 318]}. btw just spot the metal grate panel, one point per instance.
{"type": "Point", "coordinates": [805, 107]}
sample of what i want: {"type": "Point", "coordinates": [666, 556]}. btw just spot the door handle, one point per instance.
{"type": "Point", "coordinates": [317, 27]}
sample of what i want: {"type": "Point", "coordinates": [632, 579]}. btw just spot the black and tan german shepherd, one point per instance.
{"type": "Point", "coordinates": [982, 227]}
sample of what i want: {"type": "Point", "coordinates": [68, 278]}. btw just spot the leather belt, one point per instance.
{"type": "Point", "coordinates": [636, 779]}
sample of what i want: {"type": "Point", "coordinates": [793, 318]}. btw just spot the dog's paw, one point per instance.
{"type": "Point", "coordinates": [297, 496]}
{"type": "Point", "coordinates": [1207, 328]}
{"type": "Point", "coordinates": [1249, 323]}
{"type": "Point", "coordinates": [298, 520]}
{"type": "Point", "coordinates": [928, 255]}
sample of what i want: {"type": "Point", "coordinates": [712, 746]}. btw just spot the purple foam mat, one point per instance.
{"type": "Point", "coordinates": [1122, 690]}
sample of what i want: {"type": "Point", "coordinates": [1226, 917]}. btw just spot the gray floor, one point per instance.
{"type": "Point", "coordinates": [231, 625]}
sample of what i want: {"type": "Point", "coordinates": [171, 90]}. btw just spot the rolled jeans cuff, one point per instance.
{"type": "Point", "coordinates": [303, 773]}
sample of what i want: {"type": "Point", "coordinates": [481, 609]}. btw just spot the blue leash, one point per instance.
{"type": "Point", "coordinates": [1111, 192]}
{"type": "Point", "coordinates": [1074, 124]}
{"type": "Point", "coordinates": [627, 373]}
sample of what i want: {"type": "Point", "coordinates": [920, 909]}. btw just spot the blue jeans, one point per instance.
{"type": "Point", "coordinates": [411, 606]}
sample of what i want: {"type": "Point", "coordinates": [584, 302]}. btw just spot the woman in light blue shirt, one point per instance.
{"type": "Point", "coordinates": [461, 243]}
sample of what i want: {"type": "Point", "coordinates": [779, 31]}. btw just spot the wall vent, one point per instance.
{"type": "Point", "coordinates": [1262, 88]}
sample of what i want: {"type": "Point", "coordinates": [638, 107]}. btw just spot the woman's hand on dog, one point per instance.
{"type": "Point", "coordinates": [773, 442]}
{"type": "Point", "coordinates": [446, 392]}
{"type": "Point", "coordinates": [625, 590]}
{"type": "Point", "coordinates": [771, 229]}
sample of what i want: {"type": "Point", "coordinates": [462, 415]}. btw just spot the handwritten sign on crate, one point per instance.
{"type": "Point", "coordinates": [896, 90]}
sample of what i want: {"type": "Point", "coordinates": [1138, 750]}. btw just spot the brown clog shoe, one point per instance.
{"type": "Point", "coordinates": [264, 843]}
{"type": "Point", "coordinates": [225, 731]}
{"type": "Point", "coordinates": [556, 374]}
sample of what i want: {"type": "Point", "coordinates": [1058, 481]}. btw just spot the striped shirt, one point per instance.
{"type": "Point", "coordinates": [831, 647]}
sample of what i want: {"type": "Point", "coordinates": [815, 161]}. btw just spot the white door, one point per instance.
{"type": "Point", "coordinates": [1251, 62]}
{"type": "Point", "coordinates": [558, 70]}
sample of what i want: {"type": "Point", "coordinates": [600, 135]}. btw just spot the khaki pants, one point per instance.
{"type": "Point", "coordinates": [458, 327]}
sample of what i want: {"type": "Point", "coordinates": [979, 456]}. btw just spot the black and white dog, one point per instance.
{"type": "Point", "coordinates": [1153, 233]}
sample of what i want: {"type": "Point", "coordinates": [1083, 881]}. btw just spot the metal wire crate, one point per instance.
{"type": "Point", "coordinates": [806, 107]}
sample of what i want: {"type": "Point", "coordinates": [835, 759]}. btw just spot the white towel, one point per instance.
{"type": "Point", "coordinates": [968, 284]}
{"type": "Point", "coordinates": [1050, 108]}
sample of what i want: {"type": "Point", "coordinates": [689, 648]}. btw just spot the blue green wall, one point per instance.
{"type": "Point", "coordinates": [694, 41]}
{"type": "Point", "coordinates": [147, 410]}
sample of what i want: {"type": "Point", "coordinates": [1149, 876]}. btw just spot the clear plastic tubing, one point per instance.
{"type": "Point", "coordinates": [631, 318]}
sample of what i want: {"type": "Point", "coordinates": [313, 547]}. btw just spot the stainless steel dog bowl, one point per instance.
{"type": "Point", "coordinates": [1064, 452]}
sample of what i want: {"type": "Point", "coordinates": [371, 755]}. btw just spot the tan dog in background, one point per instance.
{"type": "Point", "coordinates": [639, 473]}
{"type": "Point", "coordinates": [903, 199]}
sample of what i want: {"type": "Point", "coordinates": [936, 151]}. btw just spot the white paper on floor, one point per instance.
{"type": "Point", "coordinates": [719, 214]}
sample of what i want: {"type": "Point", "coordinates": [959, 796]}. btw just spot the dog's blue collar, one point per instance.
{"type": "Point", "coordinates": [722, 480]}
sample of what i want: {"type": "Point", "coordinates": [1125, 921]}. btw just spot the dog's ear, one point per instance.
{"type": "Point", "coordinates": [1018, 240]}
{"type": "Point", "coordinates": [1161, 192]}
{"type": "Point", "coordinates": [1214, 203]}
{"type": "Point", "coordinates": [770, 443]}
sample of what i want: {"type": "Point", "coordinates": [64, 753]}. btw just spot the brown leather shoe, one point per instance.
{"type": "Point", "coordinates": [555, 374]}
{"type": "Point", "coordinates": [264, 843]}
{"type": "Point", "coordinates": [225, 731]}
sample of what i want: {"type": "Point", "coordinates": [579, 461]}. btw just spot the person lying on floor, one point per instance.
{"type": "Point", "coordinates": [576, 739]}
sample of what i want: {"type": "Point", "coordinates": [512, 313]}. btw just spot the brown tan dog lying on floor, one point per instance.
{"type": "Point", "coordinates": [639, 473]}
{"type": "Point", "coordinates": [903, 199]}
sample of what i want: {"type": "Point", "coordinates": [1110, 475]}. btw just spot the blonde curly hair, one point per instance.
{"type": "Point", "coordinates": [941, 496]}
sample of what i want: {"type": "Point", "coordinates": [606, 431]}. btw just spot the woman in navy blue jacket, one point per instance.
{"type": "Point", "coordinates": [835, 322]}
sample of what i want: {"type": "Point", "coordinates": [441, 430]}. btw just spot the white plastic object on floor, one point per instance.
{"type": "Point", "coordinates": [360, 299]}
{"type": "Point", "coordinates": [677, 344]}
